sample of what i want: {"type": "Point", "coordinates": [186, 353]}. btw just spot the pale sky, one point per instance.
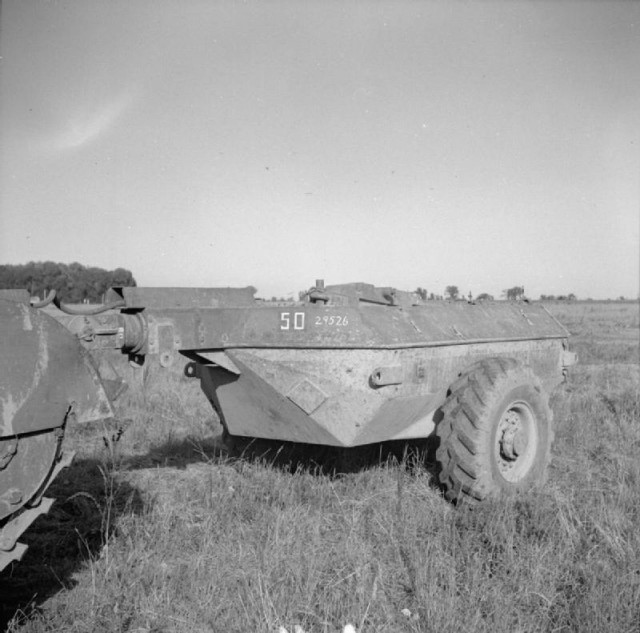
{"type": "Point", "coordinates": [203, 143]}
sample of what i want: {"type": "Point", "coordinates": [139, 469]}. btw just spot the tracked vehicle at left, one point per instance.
{"type": "Point", "coordinates": [47, 381]}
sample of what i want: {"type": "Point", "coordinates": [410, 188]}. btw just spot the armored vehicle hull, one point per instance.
{"type": "Point", "coordinates": [348, 373]}
{"type": "Point", "coordinates": [360, 375]}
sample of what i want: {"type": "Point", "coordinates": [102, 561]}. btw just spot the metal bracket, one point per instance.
{"type": "Point", "coordinates": [220, 359]}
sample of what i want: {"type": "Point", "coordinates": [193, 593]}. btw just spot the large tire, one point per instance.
{"type": "Point", "coordinates": [495, 434]}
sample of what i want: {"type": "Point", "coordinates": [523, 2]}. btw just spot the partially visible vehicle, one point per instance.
{"type": "Point", "coordinates": [47, 380]}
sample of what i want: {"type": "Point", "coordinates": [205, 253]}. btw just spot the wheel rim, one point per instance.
{"type": "Point", "coordinates": [516, 441]}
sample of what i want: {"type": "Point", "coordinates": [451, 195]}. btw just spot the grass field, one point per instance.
{"type": "Point", "coordinates": [157, 529]}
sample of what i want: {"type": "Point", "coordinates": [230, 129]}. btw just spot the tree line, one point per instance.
{"type": "Point", "coordinates": [516, 293]}
{"type": "Point", "coordinates": [73, 283]}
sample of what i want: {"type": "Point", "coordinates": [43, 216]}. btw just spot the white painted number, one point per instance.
{"type": "Point", "coordinates": [286, 321]}
{"type": "Point", "coordinates": [334, 319]}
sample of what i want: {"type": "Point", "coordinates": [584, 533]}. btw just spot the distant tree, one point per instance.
{"type": "Point", "coordinates": [452, 292]}
{"type": "Point", "coordinates": [485, 296]}
{"type": "Point", "coordinates": [73, 283]}
{"type": "Point", "coordinates": [421, 292]}
{"type": "Point", "coordinates": [547, 297]}
{"type": "Point", "coordinates": [571, 297]}
{"type": "Point", "coordinates": [515, 293]}
{"type": "Point", "coordinates": [121, 277]}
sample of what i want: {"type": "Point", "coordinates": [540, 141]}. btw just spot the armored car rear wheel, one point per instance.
{"type": "Point", "coordinates": [495, 434]}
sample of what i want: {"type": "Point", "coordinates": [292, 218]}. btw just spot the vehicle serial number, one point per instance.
{"type": "Point", "coordinates": [337, 320]}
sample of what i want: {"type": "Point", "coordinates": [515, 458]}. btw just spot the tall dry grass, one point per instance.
{"type": "Point", "coordinates": [157, 529]}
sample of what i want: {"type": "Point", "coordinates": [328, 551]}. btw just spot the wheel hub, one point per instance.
{"type": "Point", "coordinates": [513, 442]}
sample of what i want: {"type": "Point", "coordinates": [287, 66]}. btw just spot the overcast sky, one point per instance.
{"type": "Point", "coordinates": [202, 143]}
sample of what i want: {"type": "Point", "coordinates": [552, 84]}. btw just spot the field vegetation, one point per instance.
{"type": "Point", "coordinates": [157, 528]}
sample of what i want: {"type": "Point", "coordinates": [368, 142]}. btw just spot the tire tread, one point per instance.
{"type": "Point", "coordinates": [464, 455]}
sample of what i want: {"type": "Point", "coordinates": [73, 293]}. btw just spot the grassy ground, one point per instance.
{"type": "Point", "coordinates": [157, 529]}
